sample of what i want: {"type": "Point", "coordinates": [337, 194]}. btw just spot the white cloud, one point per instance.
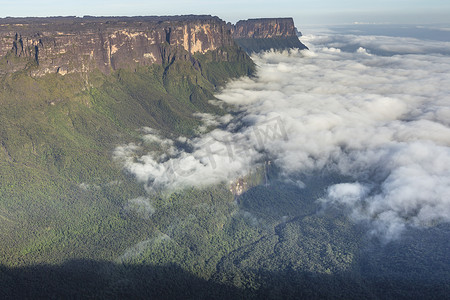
{"type": "Point", "coordinates": [382, 45]}
{"type": "Point", "coordinates": [216, 157]}
{"type": "Point", "coordinates": [347, 193]}
{"type": "Point", "coordinates": [86, 186]}
{"type": "Point", "coordinates": [381, 120]}
{"type": "Point", "coordinates": [142, 247]}
{"type": "Point", "coordinates": [142, 206]}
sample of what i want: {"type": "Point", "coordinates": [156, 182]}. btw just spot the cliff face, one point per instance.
{"type": "Point", "coordinates": [264, 28]}
{"type": "Point", "coordinates": [71, 45]}
{"type": "Point", "coordinates": [256, 35]}
{"type": "Point", "coordinates": [68, 45]}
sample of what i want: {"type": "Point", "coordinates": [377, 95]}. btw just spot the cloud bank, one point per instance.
{"type": "Point", "coordinates": [381, 120]}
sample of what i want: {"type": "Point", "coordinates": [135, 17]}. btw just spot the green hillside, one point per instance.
{"type": "Point", "coordinates": [61, 194]}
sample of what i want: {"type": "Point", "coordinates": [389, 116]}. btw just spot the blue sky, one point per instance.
{"type": "Point", "coordinates": [304, 12]}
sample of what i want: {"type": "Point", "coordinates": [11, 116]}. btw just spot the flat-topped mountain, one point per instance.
{"type": "Point", "coordinates": [72, 45]}
{"type": "Point", "coordinates": [265, 28]}
{"type": "Point", "coordinates": [68, 44]}
{"type": "Point", "coordinates": [256, 35]}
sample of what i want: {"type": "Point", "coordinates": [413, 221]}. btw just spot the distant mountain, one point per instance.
{"type": "Point", "coordinates": [256, 35]}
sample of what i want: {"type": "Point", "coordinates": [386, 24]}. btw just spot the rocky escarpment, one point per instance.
{"type": "Point", "coordinates": [256, 35]}
{"type": "Point", "coordinates": [69, 44]}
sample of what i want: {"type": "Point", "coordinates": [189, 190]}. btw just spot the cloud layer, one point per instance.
{"type": "Point", "coordinates": [382, 120]}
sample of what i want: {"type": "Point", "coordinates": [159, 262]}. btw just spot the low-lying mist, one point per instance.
{"type": "Point", "coordinates": [340, 108]}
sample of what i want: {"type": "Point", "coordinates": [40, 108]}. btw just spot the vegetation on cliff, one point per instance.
{"type": "Point", "coordinates": [61, 193]}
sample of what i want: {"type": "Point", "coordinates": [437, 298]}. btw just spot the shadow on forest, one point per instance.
{"type": "Point", "coordinates": [105, 280]}
{"type": "Point", "coordinates": [99, 279]}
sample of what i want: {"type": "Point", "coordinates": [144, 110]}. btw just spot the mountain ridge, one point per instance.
{"type": "Point", "coordinates": [67, 45]}
{"type": "Point", "coordinates": [78, 45]}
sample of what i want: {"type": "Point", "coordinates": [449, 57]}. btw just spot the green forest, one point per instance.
{"type": "Point", "coordinates": [67, 229]}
